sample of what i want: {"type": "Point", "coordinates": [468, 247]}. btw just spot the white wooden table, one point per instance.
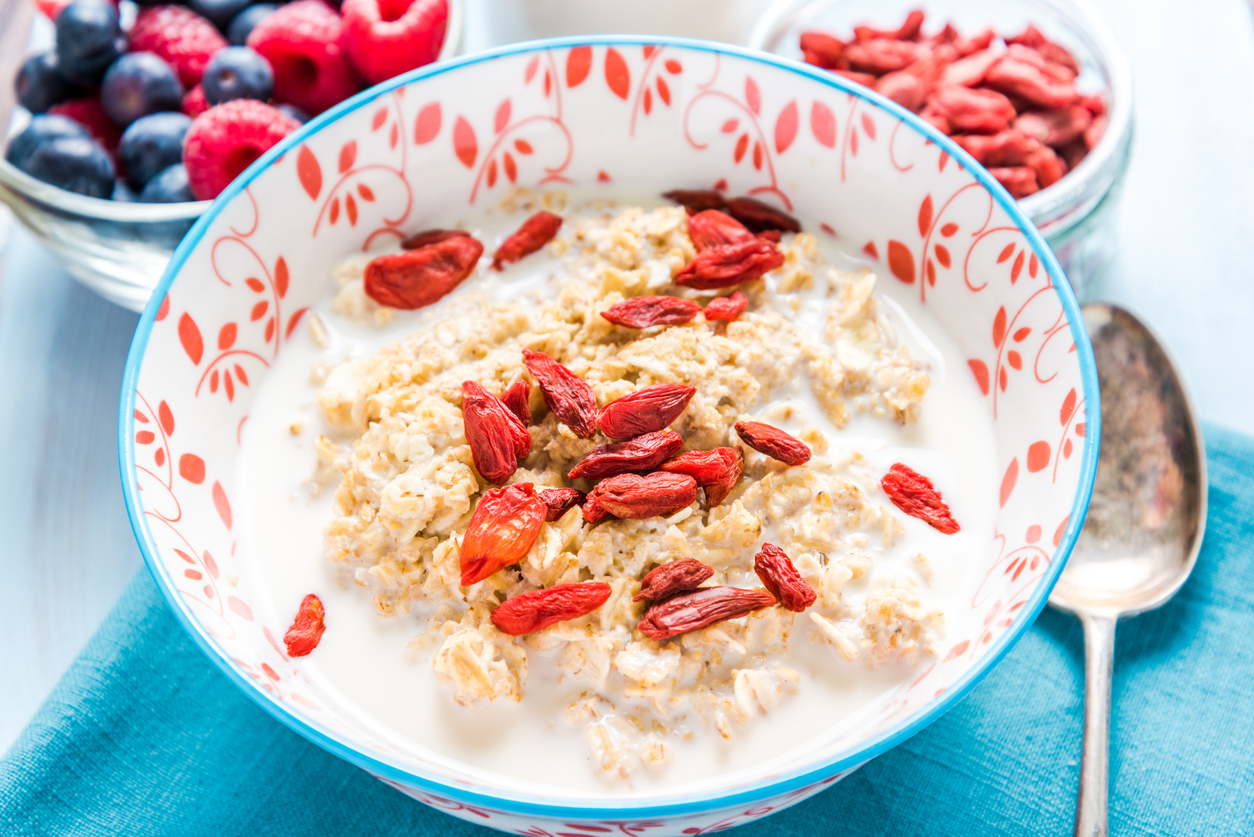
{"type": "Point", "coordinates": [1187, 250]}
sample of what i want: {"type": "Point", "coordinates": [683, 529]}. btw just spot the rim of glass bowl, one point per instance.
{"type": "Point", "coordinates": [72, 203]}
{"type": "Point", "coordinates": [1082, 187]}
{"type": "Point", "coordinates": [561, 804]}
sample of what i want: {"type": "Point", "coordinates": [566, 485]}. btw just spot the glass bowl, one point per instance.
{"type": "Point", "coordinates": [120, 249]}
{"type": "Point", "coordinates": [1076, 214]}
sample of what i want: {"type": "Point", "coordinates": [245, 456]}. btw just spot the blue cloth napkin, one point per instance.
{"type": "Point", "coordinates": [143, 736]}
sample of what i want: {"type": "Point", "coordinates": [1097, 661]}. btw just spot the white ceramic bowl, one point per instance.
{"type": "Point", "coordinates": [595, 116]}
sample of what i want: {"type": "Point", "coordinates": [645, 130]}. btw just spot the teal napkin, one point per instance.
{"type": "Point", "coordinates": [143, 736]}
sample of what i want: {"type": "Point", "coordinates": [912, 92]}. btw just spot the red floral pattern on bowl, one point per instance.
{"type": "Point", "coordinates": [616, 112]}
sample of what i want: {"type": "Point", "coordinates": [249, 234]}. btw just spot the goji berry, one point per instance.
{"type": "Point", "coordinates": [903, 87]}
{"type": "Point", "coordinates": [773, 442]}
{"type": "Point", "coordinates": [517, 399]}
{"type": "Point", "coordinates": [823, 50]}
{"type": "Point", "coordinates": [696, 200]}
{"type": "Point", "coordinates": [417, 278]}
{"type": "Point", "coordinates": [426, 237]}
{"type": "Point", "coordinates": [1017, 77]}
{"type": "Point", "coordinates": [716, 471]}
{"type": "Point", "coordinates": [567, 395]}
{"type": "Point", "coordinates": [730, 265]}
{"type": "Point", "coordinates": [915, 495]}
{"type": "Point", "coordinates": [1007, 148]}
{"type": "Point", "coordinates": [1032, 37]}
{"type": "Point", "coordinates": [649, 311]}
{"type": "Point", "coordinates": [593, 513]}
{"type": "Point", "coordinates": [701, 608]}
{"type": "Point", "coordinates": [634, 497]}
{"type": "Point", "coordinates": [645, 410]}
{"type": "Point", "coordinates": [530, 612]}
{"type": "Point", "coordinates": [673, 578]}
{"type": "Point", "coordinates": [780, 576]}
{"type": "Point", "coordinates": [712, 228]}
{"type": "Point", "coordinates": [497, 437]}
{"type": "Point", "coordinates": [970, 109]}
{"type": "Point", "coordinates": [726, 307]}
{"type": "Point", "coordinates": [865, 79]}
{"type": "Point", "coordinates": [760, 217]}
{"type": "Point", "coordinates": [1019, 181]}
{"type": "Point", "coordinates": [502, 529]}
{"type": "Point", "coordinates": [1047, 165]}
{"type": "Point", "coordinates": [643, 453]}
{"type": "Point", "coordinates": [558, 501]}
{"type": "Point", "coordinates": [908, 31]}
{"type": "Point", "coordinates": [1055, 127]}
{"type": "Point", "coordinates": [536, 231]}
{"type": "Point", "coordinates": [882, 55]}
{"type": "Point", "coordinates": [307, 628]}
{"type": "Point", "coordinates": [969, 71]}
{"type": "Point", "coordinates": [1052, 69]}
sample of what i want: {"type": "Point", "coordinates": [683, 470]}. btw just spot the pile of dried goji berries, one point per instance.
{"type": "Point", "coordinates": [1016, 110]}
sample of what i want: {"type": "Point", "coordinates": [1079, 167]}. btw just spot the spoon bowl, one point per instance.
{"type": "Point", "coordinates": [1145, 521]}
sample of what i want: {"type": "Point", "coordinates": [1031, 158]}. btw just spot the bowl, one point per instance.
{"type": "Point", "coordinates": [844, 159]}
{"type": "Point", "coordinates": [119, 249]}
{"type": "Point", "coordinates": [1076, 214]}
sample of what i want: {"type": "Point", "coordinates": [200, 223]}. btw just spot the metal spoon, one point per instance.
{"type": "Point", "coordinates": [1144, 525]}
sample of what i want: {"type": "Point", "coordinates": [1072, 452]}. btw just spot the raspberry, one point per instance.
{"type": "Point", "coordinates": [225, 140]}
{"type": "Point", "coordinates": [194, 102]}
{"type": "Point", "coordinates": [183, 38]}
{"type": "Point", "coordinates": [385, 38]}
{"type": "Point", "coordinates": [91, 115]}
{"type": "Point", "coordinates": [302, 43]}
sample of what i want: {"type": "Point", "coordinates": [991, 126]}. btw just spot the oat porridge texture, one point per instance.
{"type": "Point", "coordinates": [407, 485]}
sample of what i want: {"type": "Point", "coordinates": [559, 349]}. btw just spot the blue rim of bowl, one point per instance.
{"type": "Point", "coordinates": [577, 807]}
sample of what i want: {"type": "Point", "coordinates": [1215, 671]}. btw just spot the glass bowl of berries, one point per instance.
{"type": "Point", "coordinates": [1037, 91]}
{"type": "Point", "coordinates": [133, 119]}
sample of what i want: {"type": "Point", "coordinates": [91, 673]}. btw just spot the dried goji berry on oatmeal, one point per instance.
{"type": "Point", "coordinates": [649, 311]}
{"type": "Point", "coordinates": [530, 612]}
{"type": "Point", "coordinates": [773, 442]}
{"type": "Point", "coordinates": [635, 497]}
{"type": "Point", "coordinates": [760, 217]}
{"type": "Point", "coordinates": [716, 471]}
{"type": "Point", "coordinates": [307, 628]}
{"type": "Point", "coordinates": [502, 529]}
{"type": "Point", "coordinates": [730, 265]}
{"type": "Point", "coordinates": [726, 307]}
{"type": "Point", "coordinates": [417, 278]}
{"type": "Point", "coordinates": [645, 410]}
{"type": "Point", "coordinates": [426, 237]}
{"type": "Point", "coordinates": [780, 576]}
{"type": "Point", "coordinates": [915, 495]}
{"type": "Point", "coordinates": [712, 228]}
{"type": "Point", "coordinates": [701, 608]}
{"type": "Point", "coordinates": [497, 437]}
{"type": "Point", "coordinates": [536, 231]}
{"type": "Point", "coordinates": [567, 395]}
{"type": "Point", "coordinates": [672, 579]}
{"type": "Point", "coordinates": [558, 501]}
{"type": "Point", "coordinates": [643, 453]}
{"type": "Point", "coordinates": [696, 200]}
{"type": "Point", "coordinates": [517, 399]}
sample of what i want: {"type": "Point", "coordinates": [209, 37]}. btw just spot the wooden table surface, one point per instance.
{"type": "Point", "coordinates": [1187, 246]}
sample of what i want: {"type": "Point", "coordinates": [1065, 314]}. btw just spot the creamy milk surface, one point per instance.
{"type": "Point", "coordinates": [365, 666]}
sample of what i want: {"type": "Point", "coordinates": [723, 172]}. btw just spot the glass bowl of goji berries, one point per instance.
{"type": "Point", "coordinates": [1038, 91]}
{"type": "Point", "coordinates": [133, 119]}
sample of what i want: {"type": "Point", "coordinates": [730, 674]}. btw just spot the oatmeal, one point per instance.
{"type": "Point", "coordinates": [701, 543]}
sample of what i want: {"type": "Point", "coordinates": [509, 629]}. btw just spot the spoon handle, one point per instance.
{"type": "Point", "coordinates": [1099, 655]}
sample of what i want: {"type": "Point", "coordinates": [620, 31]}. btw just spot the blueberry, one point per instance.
{"type": "Point", "coordinates": [41, 129]}
{"type": "Point", "coordinates": [74, 163]}
{"type": "Point", "coordinates": [242, 26]}
{"type": "Point", "coordinates": [152, 143]}
{"type": "Point", "coordinates": [294, 112]}
{"type": "Point", "coordinates": [237, 73]}
{"type": "Point", "coordinates": [137, 84]}
{"type": "Point", "coordinates": [170, 186]}
{"type": "Point", "coordinates": [123, 193]}
{"type": "Point", "coordinates": [89, 39]}
{"type": "Point", "coordinates": [39, 84]}
{"type": "Point", "coordinates": [219, 12]}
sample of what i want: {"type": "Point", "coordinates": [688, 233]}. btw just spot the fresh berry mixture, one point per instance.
{"type": "Point", "coordinates": [177, 106]}
{"type": "Point", "coordinates": [1011, 103]}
